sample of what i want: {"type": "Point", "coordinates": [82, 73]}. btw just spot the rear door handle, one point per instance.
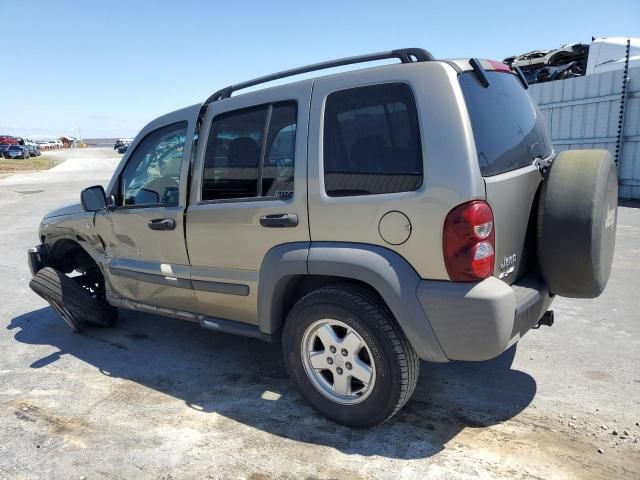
{"type": "Point", "coordinates": [162, 224]}
{"type": "Point", "coordinates": [279, 220]}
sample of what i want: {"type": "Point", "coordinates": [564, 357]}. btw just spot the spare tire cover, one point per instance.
{"type": "Point", "coordinates": [577, 223]}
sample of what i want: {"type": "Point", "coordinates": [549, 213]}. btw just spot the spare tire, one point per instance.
{"type": "Point", "coordinates": [74, 304]}
{"type": "Point", "coordinates": [577, 223]}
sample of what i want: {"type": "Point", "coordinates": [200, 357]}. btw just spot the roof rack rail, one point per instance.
{"type": "Point", "coordinates": [406, 55]}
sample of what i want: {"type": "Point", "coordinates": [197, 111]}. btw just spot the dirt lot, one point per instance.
{"type": "Point", "coordinates": [161, 398]}
{"type": "Point", "coordinates": [43, 162]}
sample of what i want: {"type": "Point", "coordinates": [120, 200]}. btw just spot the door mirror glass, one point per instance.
{"type": "Point", "coordinates": [93, 199]}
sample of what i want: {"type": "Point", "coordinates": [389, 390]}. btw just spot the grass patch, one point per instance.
{"type": "Point", "coordinates": [43, 162]}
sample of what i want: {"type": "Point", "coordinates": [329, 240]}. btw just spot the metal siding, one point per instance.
{"type": "Point", "coordinates": [583, 113]}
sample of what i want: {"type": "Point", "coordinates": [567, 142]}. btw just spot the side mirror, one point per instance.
{"type": "Point", "coordinates": [93, 199]}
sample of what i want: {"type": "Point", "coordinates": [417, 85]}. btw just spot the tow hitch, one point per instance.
{"type": "Point", "coordinates": [547, 319]}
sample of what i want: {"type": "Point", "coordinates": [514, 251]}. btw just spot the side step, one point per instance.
{"type": "Point", "coordinates": [235, 328]}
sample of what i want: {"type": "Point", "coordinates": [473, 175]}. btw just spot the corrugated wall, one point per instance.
{"type": "Point", "coordinates": [584, 112]}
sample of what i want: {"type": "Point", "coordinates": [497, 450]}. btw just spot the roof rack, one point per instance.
{"type": "Point", "coordinates": [406, 55]}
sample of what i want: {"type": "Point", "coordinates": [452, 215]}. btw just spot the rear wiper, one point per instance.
{"type": "Point", "coordinates": [543, 164]}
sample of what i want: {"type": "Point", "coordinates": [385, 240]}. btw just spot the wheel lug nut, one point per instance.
{"type": "Point", "coordinates": [330, 361]}
{"type": "Point", "coordinates": [344, 352]}
{"type": "Point", "coordinates": [339, 370]}
{"type": "Point", "coordinates": [348, 365]}
{"type": "Point", "coordinates": [332, 349]}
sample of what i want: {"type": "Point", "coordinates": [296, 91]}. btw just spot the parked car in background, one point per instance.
{"type": "Point", "coordinates": [122, 142]}
{"type": "Point", "coordinates": [46, 144]}
{"type": "Point", "coordinates": [8, 140]}
{"type": "Point", "coordinates": [17, 151]}
{"type": "Point", "coordinates": [34, 148]}
{"type": "Point", "coordinates": [3, 148]}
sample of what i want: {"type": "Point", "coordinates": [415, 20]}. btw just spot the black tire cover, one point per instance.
{"type": "Point", "coordinates": [577, 219]}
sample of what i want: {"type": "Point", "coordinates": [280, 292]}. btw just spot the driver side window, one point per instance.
{"type": "Point", "coordinates": [152, 174]}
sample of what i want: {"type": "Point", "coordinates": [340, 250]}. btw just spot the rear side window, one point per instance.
{"type": "Point", "coordinates": [250, 153]}
{"type": "Point", "coordinates": [508, 128]}
{"type": "Point", "coordinates": [371, 141]}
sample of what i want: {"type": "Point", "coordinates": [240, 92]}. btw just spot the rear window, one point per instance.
{"type": "Point", "coordinates": [508, 128]}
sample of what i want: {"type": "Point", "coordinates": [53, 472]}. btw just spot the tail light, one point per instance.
{"type": "Point", "coordinates": [469, 242]}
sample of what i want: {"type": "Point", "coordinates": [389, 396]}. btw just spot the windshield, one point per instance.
{"type": "Point", "coordinates": [508, 128]}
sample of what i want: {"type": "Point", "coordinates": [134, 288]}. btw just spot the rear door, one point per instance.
{"type": "Point", "coordinates": [248, 195]}
{"type": "Point", "coordinates": [509, 135]}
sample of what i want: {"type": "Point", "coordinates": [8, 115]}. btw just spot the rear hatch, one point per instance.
{"type": "Point", "coordinates": [509, 135]}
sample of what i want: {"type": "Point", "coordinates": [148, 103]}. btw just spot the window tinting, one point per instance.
{"type": "Point", "coordinates": [372, 141]}
{"type": "Point", "coordinates": [152, 173]}
{"type": "Point", "coordinates": [233, 154]}
{"type": "Point", "coordinates": [233, 162]}
{"type": "Point", "coordinates": [508, 129]}
{"type": "Point", "coordinates": [277, 173]}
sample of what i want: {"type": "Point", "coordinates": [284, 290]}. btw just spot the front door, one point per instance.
{"type": "Point", "coordinates": [249, 195]}
{"type": "Point", "coordinates": [146, 255]}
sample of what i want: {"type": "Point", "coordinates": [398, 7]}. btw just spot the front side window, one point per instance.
{"type": "Point", "coordinates": [250, 153]}
{"type": "Point", "coordinates": [152, 174]}
{"type": "Point", "coordinates": [372, 141]}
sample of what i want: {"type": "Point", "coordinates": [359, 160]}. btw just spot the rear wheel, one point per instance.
{"type": "Point", "coordinates": [348, 357]}
{"type": "Point", "coordinates": [74, 302]}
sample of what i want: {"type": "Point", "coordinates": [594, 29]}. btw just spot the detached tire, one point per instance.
{"type": "Point", "coordinates": [577, 223]}
{"type": "Point", "coordinates": [347, 356]}
{"type": "Point", "coordinates": [73, 303]}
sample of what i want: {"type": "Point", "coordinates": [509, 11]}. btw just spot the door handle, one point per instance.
{"type": "Point", "coordinates": [279, 220]}
{"type": "Point", "coordinates": [162, 224]}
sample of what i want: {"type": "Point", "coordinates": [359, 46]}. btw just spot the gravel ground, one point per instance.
{"type": "Point", "coordinates": [161, 398]}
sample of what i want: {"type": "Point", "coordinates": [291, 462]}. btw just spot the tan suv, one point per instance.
{"type": "Point", "coordinates": [368, 219]}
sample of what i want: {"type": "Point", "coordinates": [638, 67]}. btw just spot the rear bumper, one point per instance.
{"type": "Point", "coordinates": [478, 321]}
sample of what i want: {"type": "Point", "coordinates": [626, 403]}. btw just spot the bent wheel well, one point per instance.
{"type": "Point", "coordinates": [69, 257]}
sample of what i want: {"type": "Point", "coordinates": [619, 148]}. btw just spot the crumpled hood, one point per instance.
{"type": "Point", "coordinates": [69, 209]}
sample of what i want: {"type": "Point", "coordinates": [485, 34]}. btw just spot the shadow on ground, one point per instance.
{"type": "Point", "coordinates": [244, 379]}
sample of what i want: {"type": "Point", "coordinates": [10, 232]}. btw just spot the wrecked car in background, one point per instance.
{"type": "Point", "coordinates": [577, 59]}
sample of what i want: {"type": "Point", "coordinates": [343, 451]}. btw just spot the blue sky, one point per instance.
{"type": "Point", "coordinates": [110, 67]}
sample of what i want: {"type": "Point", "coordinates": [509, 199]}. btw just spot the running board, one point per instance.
{"type": "Point", "coordinates": [234, 328]}
{"type": "Point", "coordinates": [209, 323]}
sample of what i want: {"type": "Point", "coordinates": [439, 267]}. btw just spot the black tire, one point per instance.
{"type": "Point", "coordinates": [577, 223]}
{"type": "Point", "coordinates": [73, 303]}
{"type": "Point", "coordinates": [396, 363]}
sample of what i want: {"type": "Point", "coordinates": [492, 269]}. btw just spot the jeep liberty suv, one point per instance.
{"type": "Point", "coordinates": [367, 219]}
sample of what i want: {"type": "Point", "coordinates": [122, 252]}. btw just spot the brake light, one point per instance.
{"type": "Point", "coordinates": [468, 242]}
{"type": "Point", "coordinates": [499, 66]}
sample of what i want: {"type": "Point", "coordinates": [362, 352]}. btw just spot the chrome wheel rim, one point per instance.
{"type": "Point", "coordinates": [338, 361]}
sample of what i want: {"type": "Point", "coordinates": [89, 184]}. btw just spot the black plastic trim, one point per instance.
{"type": "Point", "coordinates": [221, 287]}
{"type": "Point", "coordinates": [233, 327]}
{"type": "Point", "coordinates": [481, 75]}
{"type": "Point", "coordinates": [151, 278]}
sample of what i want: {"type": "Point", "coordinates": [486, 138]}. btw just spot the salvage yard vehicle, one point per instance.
{"type": "Point", "coordinates": [365, 219]}
{"type": "Point", "coordinates": [17, 151]}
